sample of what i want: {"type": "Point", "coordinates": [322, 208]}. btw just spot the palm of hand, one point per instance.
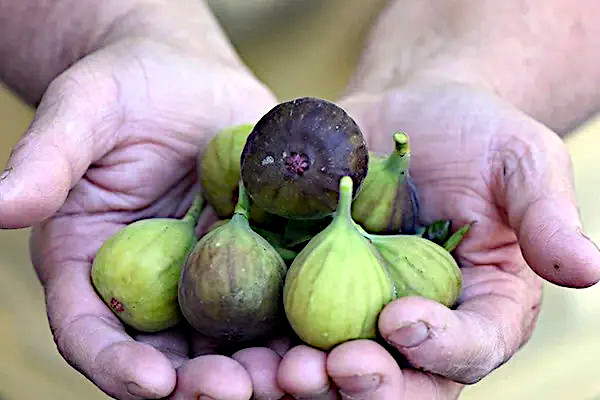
{"type": "Point", "coordinates": [150, 116]}
{"type": "Point", "coordinates": [475, 158]}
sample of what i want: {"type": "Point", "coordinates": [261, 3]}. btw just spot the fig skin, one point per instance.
{"type": "Point", "coordinates": [231, 284]}
{"type": "Point", "coordinates": [219, 168]}
{"type": "Point", "coordinates": [388, 201]}
{"type": "Point", "coordinates": [136, 271]}
{"type": "Point", "coordinates": [219, 172]}
{"type": "Point", "coordinates": [336, 286]}
{"type": "Point", "coordinates": [297, 153]}
{"type": "Point", "coordinates": [420, 267]}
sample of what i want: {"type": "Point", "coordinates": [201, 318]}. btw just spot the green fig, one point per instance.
{"type": "Point", "coordinates": [296, 154]}
{"type": "Point", "coordinates": [136, 271]}
{"type": "Point", "coordinates": [419, 267]}
{"type": "Point", "coordinates": [337, 285]}
{"type": "Point", "coordinates": [230, 286]}
{"type": "Point", "coordinates": [219, 171]}
{"type": "Point", "coordinates": [388, 201]}
{"type": "Point", "coordinates": [219, 168]}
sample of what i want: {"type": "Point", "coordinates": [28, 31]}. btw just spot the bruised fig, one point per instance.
{"type": "Point", "coordinates": [136, 271]}
{"type": "Point", "coordinates": [230, 286]}
{"type": "Point", "coordinates": [337, 285]}
{"type": "Point", "coordinates": [388, 200]}
{"type": "Point", "coordinates": [296, 155]}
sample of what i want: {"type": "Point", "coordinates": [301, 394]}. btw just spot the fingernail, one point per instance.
{"type": "Point", "coordinates": [582, 233]}
{"type": "Point", "coordinates": [357, 386]}
{"type": "Point", "coordinates": [410, 335]}
{"type": "Point", "coordinates": [5, 173]}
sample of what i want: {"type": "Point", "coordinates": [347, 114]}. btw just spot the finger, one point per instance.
{"type": "Point", "coordinates": [173, 343]}
{"type": "Point", "coordinates": [261, 364]}
{"type": "Point", "coordinates": [423, 386]}
{"type": "Point", "coordinates": [464, 345]}
{"type": "Point", "coordinates": [213, 377]}
{"type": "Point", "coordinates": [93, 341]}
{"type": "Point", "coordinates": [71, 128]}
{"type": "Point", "coordinates": [536, 188]}
{"type": "Point", "coordinates": [362, 369]}
{"type": "Point", "coordinates": [303, 374]}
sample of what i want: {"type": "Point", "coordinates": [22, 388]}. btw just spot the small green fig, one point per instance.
{"type": "Point", "coordinates": [388, 201]}
{"type": "Point", "coordinates": [136, 271]}
{"type": "Point", "coordinates": [419, 267]}
{"type": "Point", "coordinates": [337, 286]}
{"type": "Point", "coordinates": [230, 286]}
{"type": "Point", "coordinates": [219, 168]}
{"type": "Point", "coordinates": [296, 155]}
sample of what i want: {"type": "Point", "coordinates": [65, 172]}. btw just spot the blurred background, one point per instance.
{"type": "Point", "coordinates": [310, 48]}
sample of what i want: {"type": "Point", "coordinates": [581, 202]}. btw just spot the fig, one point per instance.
{"type": "Point", "coordinates": [388, 200]}
{"type": "Point", "coordinates": [219, 168]}
{"type": "Point", "coordinates": [336, 286]}
{"type": "Point", "coordinates": [219, 172]}
{"type": "Point", "coordinates": [297, 153]}
{"type": "Point", "coordinates": [231, 284]}
{"type": "Point", "coordinates": [419, 267]}
{"type": "Point", "coordinates": [136, 271]}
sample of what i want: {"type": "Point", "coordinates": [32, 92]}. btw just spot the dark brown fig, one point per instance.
{"type": "Point", "coordinates": [296, 155]}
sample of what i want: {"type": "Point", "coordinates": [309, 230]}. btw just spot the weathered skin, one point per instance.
{"type": "Point", "coordinates": [296, 155]}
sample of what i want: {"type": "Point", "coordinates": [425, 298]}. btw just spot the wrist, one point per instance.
{"type": "Point", "coordinates": [187, 25]}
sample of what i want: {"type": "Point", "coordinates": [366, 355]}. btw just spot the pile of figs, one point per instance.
{"type": "Point", "coordinates": [315, 233]}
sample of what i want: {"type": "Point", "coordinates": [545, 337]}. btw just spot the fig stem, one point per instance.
{"type": "Point", "coordinates": [343, 209]}
{"type": "Point", "coordinates": [193, 213]}
{"type": "Point", "coordinates": [399, 160]}
{"type": "Point", "coordinates": [243, 204]}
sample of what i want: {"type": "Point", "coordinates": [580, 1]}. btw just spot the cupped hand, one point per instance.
{"type": "Point", "coordinates": [114, 140]}
{"type": "Point", "coordinates": [474, 158]}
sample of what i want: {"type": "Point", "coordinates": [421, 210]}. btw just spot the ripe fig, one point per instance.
{"type": "Point", "coordinates": [296, 155]}
{"type": "Point", "coordinates": [336, 286]}
{"type": "Point", "coordinates": [230, 286]}
{"type": "Point", "coordinates": [388, 201]}
{"type": "Point", "coordinates": [136, 271]}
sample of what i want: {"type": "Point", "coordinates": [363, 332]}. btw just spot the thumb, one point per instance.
{"type": "Point", "coordinates": [56, 150]}
{"type": "Point", "coordinates": [536, 189]}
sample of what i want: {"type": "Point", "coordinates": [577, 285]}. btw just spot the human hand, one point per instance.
{"type": "Point", "coordinates": [115, 139]}
{"type": "Point", "coordinates": [474, 158]}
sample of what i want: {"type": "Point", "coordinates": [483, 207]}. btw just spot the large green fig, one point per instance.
{"type": "Point", "coordinates": [419, 267]}
{"type": "Point", "coordinates": [388, 201]}
{"type": "Point", "coordinates": [136, 271]}
{"type": "Point", "coordinates": [337, 285]}
{"type": "Point", "coordinates": [296, 155]}
{"type": "Point", "coordinates": [230, 286]}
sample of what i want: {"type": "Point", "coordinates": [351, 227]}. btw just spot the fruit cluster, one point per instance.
{"type": "Point", "coordinates": [315, 232]}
